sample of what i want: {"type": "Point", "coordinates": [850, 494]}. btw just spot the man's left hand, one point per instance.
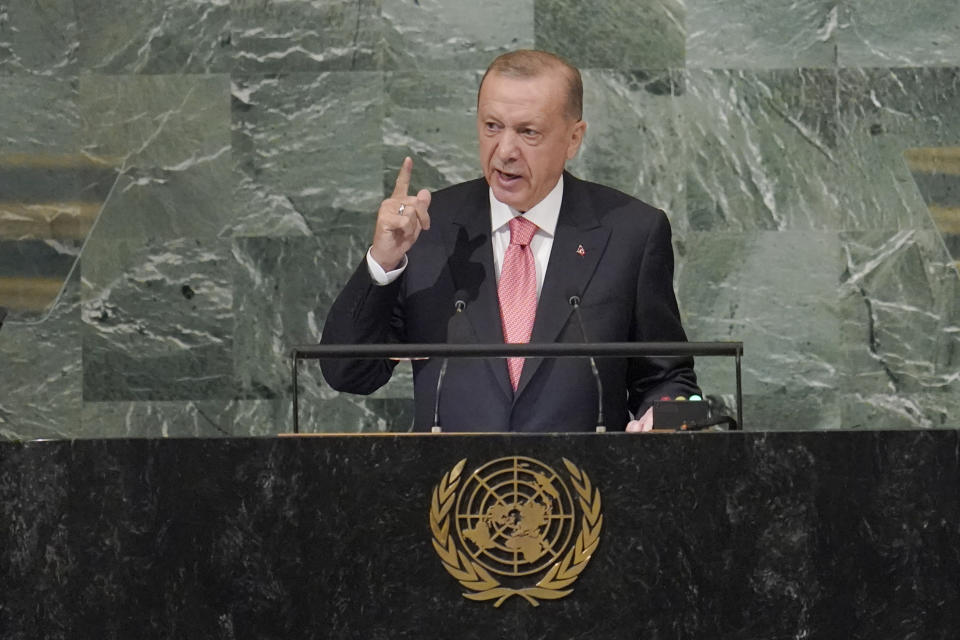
{"type": "Point", "coordinates": [645, 423]}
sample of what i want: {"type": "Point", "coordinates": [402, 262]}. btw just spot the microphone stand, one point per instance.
{"type": "Point", "coordinates": [458, 306]}
{"type": "Point", "coordinates": [601, 427]}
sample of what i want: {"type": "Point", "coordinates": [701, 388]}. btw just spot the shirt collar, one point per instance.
{"type": "Point", "coordinates": [544, 214]}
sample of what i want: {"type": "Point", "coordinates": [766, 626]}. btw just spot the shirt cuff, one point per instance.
{"type": "Point", "coordinates": [380, 277]}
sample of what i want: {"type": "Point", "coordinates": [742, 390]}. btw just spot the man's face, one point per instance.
{"type": "Point", "coordinates": [525, 136]}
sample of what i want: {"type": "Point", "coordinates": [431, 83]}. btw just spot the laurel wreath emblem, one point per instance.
{"type": "Point", "coordinates": [481, 584]}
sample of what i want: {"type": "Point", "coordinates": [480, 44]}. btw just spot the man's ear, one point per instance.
{"type": "Point", "coordinates": [576, 138]}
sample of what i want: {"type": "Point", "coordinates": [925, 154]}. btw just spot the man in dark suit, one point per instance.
{"type": "Point", "coordinates": [463, 243]}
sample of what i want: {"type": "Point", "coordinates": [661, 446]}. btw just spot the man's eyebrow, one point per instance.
{"type": "Point", "coordinates": [533, 123]}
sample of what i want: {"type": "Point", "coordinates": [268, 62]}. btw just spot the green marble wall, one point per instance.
{"type": "Point", "coordinates": [222, 160]}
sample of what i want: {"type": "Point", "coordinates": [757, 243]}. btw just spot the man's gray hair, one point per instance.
{"type": "Point", "coordinates": [527, 63]}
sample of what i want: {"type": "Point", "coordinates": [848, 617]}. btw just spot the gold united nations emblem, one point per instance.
{"type": "Point", "coordinates": [512, 529]}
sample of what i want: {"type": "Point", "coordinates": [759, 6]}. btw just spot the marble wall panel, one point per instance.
{"type": "Point", "coordinates": [258, 212]}
{"type": "Point", "coordinates": [777, 293]}
{"type": "Point", "coordinates": [635, 138]}
{"type": "Point", "coordinates": [284, 287]}
{"type": "Point", "coordinates": [618, 34]}
{"type": "Point", "coordinates": [282, 36]}
{"type": "Point", "coordinates": [353, 414]}
{"type": "Point", "coordinates": [923, 410]}
{"type": "Point", "coordinates": [166, 203]}
{"type": "Point", "coordinates": [763, 150]}
{"type": "Point", "coordinates": [910, 107]}
{"type": "Point", "coordinates": [241, 418]}
{"type": "Point", "coordinates": [431, 117]}
{"type": "Point", "coordinates": [158, 321]}
{"type": "Point", "coordinates": [888, 33]}
{"type": "Point", "coordinates": [875, 189]}
{"type": "Point", "coordinates": [179, 419]}
{"type": "Point", "coordinates": [168, 36]}
{"type": "Point", "coordinates": [38, 37]}
{"type": "Point", "coordinates": [173, 122]}
{"type": "Point", "coordinates": [901, 309]}
{"type": "Point", "coordinates": [882, 113]}
{"type": "Point", "coordinates": [453, 34]}
{"type": "Point", "coordinates": [728, 114]}
{"type": "Point", "coordinates": [40, 115]}
{"type": "Point", "coordinates": [790, 409]}
{"type": "Point", "coordinates": [41, 371]}
{"type": "Point", "coordinates": [761, 34]}
{"type": "Point", "coordinates": [309, 147]}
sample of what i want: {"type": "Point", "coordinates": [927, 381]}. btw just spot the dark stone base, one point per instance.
{"type": "Point", "coordinates": [739, 535]}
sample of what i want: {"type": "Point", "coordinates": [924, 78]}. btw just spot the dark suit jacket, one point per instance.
{"type": "Point", "coordinates": [624, 278]}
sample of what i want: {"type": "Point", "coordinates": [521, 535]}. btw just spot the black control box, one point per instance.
{"type": "Point", "coordinates": [673, 414]}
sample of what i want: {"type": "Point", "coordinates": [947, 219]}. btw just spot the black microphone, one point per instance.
{"type": "Point", "coordinates": [574, 301]}
{"type": "Point", "coordinates": [456, 331]}
{"type": "Point", "coordinates": [455, 334]}
{"type": "Point", "coordinates": [3, 314]}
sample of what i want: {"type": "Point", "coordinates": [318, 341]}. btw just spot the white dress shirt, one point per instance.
{"type": "Point", "coordinates": [544, 214]}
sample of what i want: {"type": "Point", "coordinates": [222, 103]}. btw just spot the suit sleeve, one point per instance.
{"type": "Point", "coordinates": [657, 319]}
{"type": "Point", "coordinates": [363, 313]}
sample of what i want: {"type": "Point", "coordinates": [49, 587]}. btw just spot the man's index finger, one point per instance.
{"type": "Point", "coordinates": [402, 185]}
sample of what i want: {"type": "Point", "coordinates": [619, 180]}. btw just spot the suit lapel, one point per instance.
{"type": "Point", "coordinates": [471, 266]}
{"type": "Point", "coordinates": [578, 245]}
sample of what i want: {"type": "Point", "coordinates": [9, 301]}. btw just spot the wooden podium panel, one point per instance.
{"type": "Point", "coordinates": [732, 535]}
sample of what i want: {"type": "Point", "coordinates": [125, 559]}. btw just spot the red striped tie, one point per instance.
{"type": "Point", "coordinates": [517, 291]}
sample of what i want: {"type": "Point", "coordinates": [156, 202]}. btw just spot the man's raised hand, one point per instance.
{"type": "Point", "coordinates": [400, 220]}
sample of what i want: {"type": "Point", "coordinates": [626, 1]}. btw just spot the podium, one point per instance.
{"type": "Point", "coordinates": [711, 535]}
